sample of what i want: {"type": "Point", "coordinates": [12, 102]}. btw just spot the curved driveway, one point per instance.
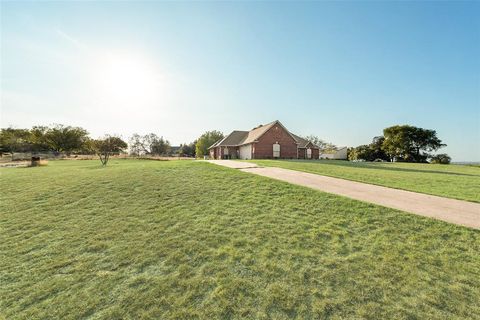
{"type": "Point", "coordinates": [454, 211]}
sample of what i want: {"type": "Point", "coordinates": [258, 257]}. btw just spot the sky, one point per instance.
{"type": "Point", "coordinates": [340, 70]}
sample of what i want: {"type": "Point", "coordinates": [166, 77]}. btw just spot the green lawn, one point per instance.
{"type": "Point", "coordinates": [191, 240]}
{"type": "Point", "coordinates": [451, 181]}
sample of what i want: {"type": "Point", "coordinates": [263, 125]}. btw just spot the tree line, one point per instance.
{"type": "Point", "coordinates": [398, 143]}
{"type": "Point", "coordinates": [76, 140]}
{"type": "Point", "coordinates": [402, 143]}
{"type": "Point", "coordinates": [57, 138]}
{"type": "Point", "coordinates": [61, 139]}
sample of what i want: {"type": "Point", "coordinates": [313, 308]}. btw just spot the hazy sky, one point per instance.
{"type": "Point", "coordinates": [340, 70]}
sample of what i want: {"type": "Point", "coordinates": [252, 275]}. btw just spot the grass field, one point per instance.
{"type": "Point", "coordinates": [451, 181]}
{"type": "Point", "coordinates": [191, 240]}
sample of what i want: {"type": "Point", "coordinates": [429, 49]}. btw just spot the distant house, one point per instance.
{"type": "Point", "coordinates": [270, 141]}
{"type": "Point", "coordinates": [339, 154]}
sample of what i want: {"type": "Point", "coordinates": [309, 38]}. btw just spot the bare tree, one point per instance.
{"type": "Point", "coordinates": [322, 144]}
{"type": "Point", "coordinates": [148, 144]}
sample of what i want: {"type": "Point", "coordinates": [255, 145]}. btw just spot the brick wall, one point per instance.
{"type": "Point", "coordinates": [302, 153]}
{"type": "Point", "coordinates": [263, 149]}
{"type": "Point", "coordinates": [216, 153]}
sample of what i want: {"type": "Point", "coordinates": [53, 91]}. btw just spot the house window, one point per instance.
{"type": "Point", "coordinates": [309, 153]}
{"type": "Point", "coordinates": [276, 150]}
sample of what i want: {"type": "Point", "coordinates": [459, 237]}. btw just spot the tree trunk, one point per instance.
{"type": "Point", "coordinates": [104, 158]}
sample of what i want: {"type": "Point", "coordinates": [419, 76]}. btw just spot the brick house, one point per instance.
{"type": "Point", "coordinates": [268, 141]}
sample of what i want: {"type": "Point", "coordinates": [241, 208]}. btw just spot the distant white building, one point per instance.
{"type": "Point", "coordinates": [339, 154]}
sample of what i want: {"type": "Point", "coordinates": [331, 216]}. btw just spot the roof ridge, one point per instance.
{"type": "Point", "coordinates": [241, 137]}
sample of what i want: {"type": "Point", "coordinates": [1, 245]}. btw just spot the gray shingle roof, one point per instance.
{"type": "Point", "coordinates": [302, 143]}
{"type": "Point", "coordinates": [238, 138]}
{"type": "Point", "coordinates": [234, 139]}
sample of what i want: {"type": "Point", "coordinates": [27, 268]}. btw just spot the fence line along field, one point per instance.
{"type": "Point", "coordinates": [187, 239]}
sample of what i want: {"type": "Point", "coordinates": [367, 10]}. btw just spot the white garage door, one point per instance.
{"type": "Point", "coordinates": [246, 152]}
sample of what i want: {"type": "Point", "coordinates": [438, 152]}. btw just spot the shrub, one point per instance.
{"type": "Point", "coordinates": [441, 158]}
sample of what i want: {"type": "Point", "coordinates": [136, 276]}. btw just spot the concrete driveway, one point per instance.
{"type": "Point", "coordinates": [454, 211]}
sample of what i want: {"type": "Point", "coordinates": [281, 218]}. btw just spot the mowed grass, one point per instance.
{"type": "Point", "coordinates": [191, 240]}
{"type": "Point", "coordinates": [451, 181]}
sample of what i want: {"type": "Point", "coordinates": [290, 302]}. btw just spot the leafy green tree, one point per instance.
{"type": "Point", "coordinates": [422, 142]}
{"type": "Point", "coordinates": [376, 149]}
{"type": "Point", "coordinates": [38, 139]}
{"type": "Point", "coordinates": [351, 153]}
{"type": "Point", "coordinates": [187, 150]}
{"type": "Point", "coordinates": [370, 152]}
{"type": "Point", "coordinates": [89, 147]}
{"type": "Point", "coordinates": [159, 146]}
{"type": "Point", "coordinates": [409, 143]}
{"type": "Point", "coordinates": [108, 146]}
{"type": "Point", "coordinates": [14, 140]}
{"type": "Point", "coordinates": [362, 152]}
{"type": "Point", "coordinates": [441, 158]}
{"type": "Point", "coordinates": [205, 141]}
{"type": "Point", "coordinates": [396, 143]}
{"type": "Point", "coordinates": [67, 139]}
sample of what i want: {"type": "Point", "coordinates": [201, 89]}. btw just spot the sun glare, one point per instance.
{"type": "Point", "coordinates": [123, 79]}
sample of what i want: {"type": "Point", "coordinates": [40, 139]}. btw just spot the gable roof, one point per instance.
{"type": "Point", "coordinates": [233, 139]}
{"type": "Point", "coordinates": [303, 143]}
{"type": "Point", "coordinates": [257, 132]}
{"type": "Point", "coordinates": [238, 138]}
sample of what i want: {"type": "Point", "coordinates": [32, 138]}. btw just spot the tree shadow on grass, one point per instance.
{"type": "Point", "coordinates": [368, 165]}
